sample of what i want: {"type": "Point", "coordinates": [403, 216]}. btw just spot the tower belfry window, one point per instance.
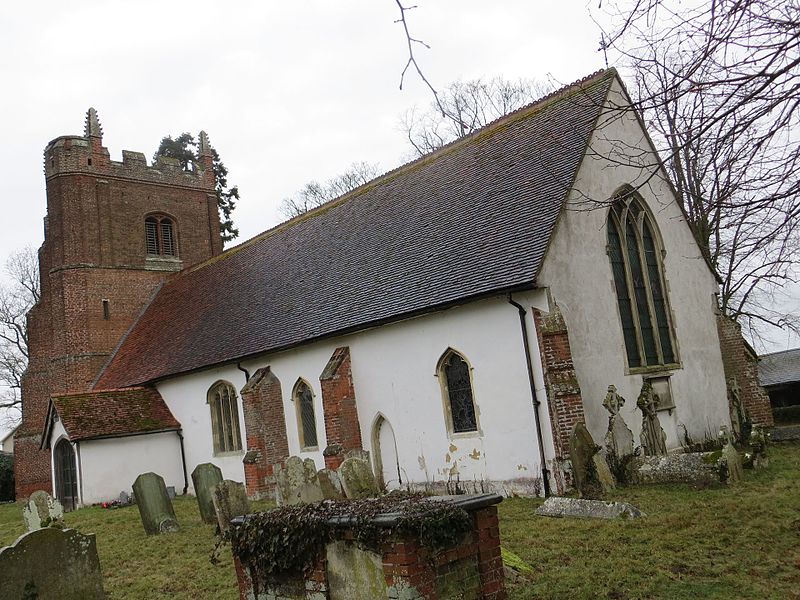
{"type": "Point", "coordinates": [159, 236]}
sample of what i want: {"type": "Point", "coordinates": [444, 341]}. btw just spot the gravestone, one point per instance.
{"type": "Point", "coordinates": [41, 510]}
{"type": "Point", "coordinates": [758, 447]}
{"type": "Point", "coordinates": [330, 484]}
{"type": "Point", "coordinates": [297, 483]}
{"type": "Point", "coordinates": [741, 424]}
{"type": "Point", "coordinates": [619, 438]}
{"type": "Point", "coordinates": [204, 478]}
{"type": "Point", "coordinates": [581, 452]}
{"type": "Point", "coordinates": [124, 498]}
{"type": "Point", "coordinates": [358, 453]}
{"type": "Point", "coordinates": [580, 508]}
{"type": "Point", "coordinates": [155, 507]}
{"type": "Point", "coordinates": [652, 438]}
{"type": "Point", "coordinates": [230, 500]}
{"type": "Point", "coordinates": [604, 476]}
{"type": "Point", "coordinates": [733, 462]}
{"type": "Point", "coordinates": [51, 563]}
{"type": "Point", "coordinates": [357, 479]}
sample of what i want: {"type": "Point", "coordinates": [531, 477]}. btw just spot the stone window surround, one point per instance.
{"type": "Point", "coordinates": [448, 415]}
{"type": "Point", "coordinates": [629, 195]}
{"type": "Point", "coordinates": [160, 218]}
{"type": "Point", "coordinates": [218, 429]}
{"type": "Point", "coordinates": [299, 416]}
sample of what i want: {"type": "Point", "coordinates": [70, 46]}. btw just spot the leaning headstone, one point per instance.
{"type": "Point", "coordinates": [330, 484]}
{"type": "Point", "coordinates": [230, 500]}
{"type": "Point", "coordinates": [604, 476]}
{"type": "Point", "coordinates": [204, 478]}
{"type": "Point", "coordinates": [42, 510]}
{"type": "Point", "coordinates": [581, 450]}
{"type": "Point", "coordinates": [357, 479]}
{"type": "Point", "coordinates": [733, 462]}
{"type": "Point", "coordinates": [653, 438]}
{"type": "Point", "coordinates": [155, 507]}
{"type": "Point", "coordinates": [51, 563]}
{"type": "Point", "coordinates": [296, 482]}
{"type": "Point", "coordinates": [580, 508]}
{"type": "Point", "coordinates": [741, 424]}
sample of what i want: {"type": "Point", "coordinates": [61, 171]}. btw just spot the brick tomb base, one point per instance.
{"type": "Point", "coordinates": [401, 569]}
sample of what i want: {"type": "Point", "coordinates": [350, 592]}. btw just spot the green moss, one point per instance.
{"type": "Point", "coordinates": [513, 561]}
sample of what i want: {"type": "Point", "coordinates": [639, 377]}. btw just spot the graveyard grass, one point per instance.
{"type": "Point", "coordinates": [715, 543]}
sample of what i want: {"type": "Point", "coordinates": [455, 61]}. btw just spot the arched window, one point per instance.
{"type": "Point", "coordinates": [159, 236]}
{"type": "Point", "coordinates": [456, 381]}
{"type": "Point", "coordinates": [224, 418]}
{"type": "Point", "coordinates": [636, 262]}
{"type": "Point", "coordinates": [303, 399]}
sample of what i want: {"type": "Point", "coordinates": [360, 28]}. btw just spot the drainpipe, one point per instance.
{"type": "Point", "coordinates": [183, 462]}
{"type": "Point", "coordinates": [536, 403]}
{"type": "Point", "coordinates": [245, 371]}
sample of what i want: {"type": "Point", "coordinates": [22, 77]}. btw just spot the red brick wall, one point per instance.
{"type": "Point", "coordinates": [342, 428]}
{"type": "Point", "coordinates": [740, 362]}
{"type": "Point", "coordinates": [265, 429]}
{"type": "Point", "coordinates": [563, 392]}
{"type": "Point", "coordinates": [94, 250]}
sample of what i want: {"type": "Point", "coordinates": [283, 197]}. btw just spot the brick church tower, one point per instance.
{"type": "Point", "coordinates": [113, 232]}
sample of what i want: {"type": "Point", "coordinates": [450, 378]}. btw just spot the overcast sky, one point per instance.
{"type": "Point", "coordinates": [287, 91]}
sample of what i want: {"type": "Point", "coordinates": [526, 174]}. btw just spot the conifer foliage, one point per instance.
{"type": "Point", "coordinates": [185, 148]}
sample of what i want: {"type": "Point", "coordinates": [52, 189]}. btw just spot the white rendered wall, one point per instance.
{"type": "Point", "coordinates": [578, 272]}
{"type": "Point", "coordinates": [394, 375]}
{"type": "Point", "coordinates": [110, 466]}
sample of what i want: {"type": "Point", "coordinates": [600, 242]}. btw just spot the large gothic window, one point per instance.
{"type": "Point", "coordinates": [306, 419]}
{"type": "Point", "coordinates": [224, 418]}
{"type": "Point", "coordinates": [159, 236]}
{"type": "Point", "coordinates": [636, 262]}
{"type": "Point", "coordinates": [456, 381]}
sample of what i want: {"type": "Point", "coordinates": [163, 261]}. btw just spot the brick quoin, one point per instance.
{"type": "Point", "coordinates": [265, 429]}
{"type": "Point", "coordinates": [94, 250]}
{"type": "Point", "coordinates": [342, 427]}
{"type": "Point", "coordinates": [561, 382]}
{"type": "Point", "coordinates": [740, 361]}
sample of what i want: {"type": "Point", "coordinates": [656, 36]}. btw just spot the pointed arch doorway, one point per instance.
{"type": "Point", "coordinates": [384, 449]}
{"type": "Point", "coordinates": [66, 475]}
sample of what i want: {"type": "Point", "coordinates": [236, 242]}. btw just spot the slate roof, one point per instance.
{"type": "Point", "coordinates": [111, 413]}
{"type": "Point", "coordinates": [779, 367]}
{"type": "Point", "coordinates": [467, 221]}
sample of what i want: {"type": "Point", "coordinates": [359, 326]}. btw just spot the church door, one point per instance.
{"type": "Point", "coordinates": [387, 467]}
{"type": "Point", "coordinates": [66, 475]}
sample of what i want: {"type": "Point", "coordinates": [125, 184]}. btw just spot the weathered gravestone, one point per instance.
{"type": "Point", "coordinates": [155, 507]}
{"type": "Point", "coordinates": [330, 484]}
{"type": "Point", "coordinates": [587, 509]}
{"type": "Point", "coordinates": [357, 453]}
{"type": "Point", "coordinates": [204, 478]}
{"type": "Point", "coordinates": [297, 483]}
{"type": "Point", "coordinates": [357, 479]}
{"type": "Point", "coordinates": [51, 564]}
{"type": "Point", "coordinates": [230, 500]}
{"type": "Point", "coordinates": [741, 424]}
{"type": "Point", "coordinates": [733, 462]}
{"type": "Point", "coordinates": [653, 438]}
{"type": "Point", "coordinates": [590, 473]}
{"type": "Point", "coordinates": [41, 510]}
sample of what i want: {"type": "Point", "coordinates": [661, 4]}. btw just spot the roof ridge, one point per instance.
{"type": "Point", "coordinates": [526, 110]}
{"type": "Point", "coordinates": [780, 352]}
{"type": "Point", "coordinates": [133, 388]}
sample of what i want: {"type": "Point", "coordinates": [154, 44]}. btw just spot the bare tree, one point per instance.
{"type": "Point", "coordinates": [463, 107]}
{"type": "Point", "coordinates": [718, 82]}
{"type": "Point", "coordinates": [315, 194]}
{"type": "Point", "coordinates": [16, 299]}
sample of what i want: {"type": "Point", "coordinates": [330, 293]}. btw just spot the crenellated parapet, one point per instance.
{"type": "Point", "coordinates": [73, 155]}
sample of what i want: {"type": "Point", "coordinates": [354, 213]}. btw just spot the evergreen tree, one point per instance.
{"type": "Point", "coordinates": [184, 148]}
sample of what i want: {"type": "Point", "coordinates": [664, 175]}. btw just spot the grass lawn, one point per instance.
{"type": "Point", "coordinates": [740, 542]}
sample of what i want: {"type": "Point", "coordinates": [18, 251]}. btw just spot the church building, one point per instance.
{"type": "Point", "coordinates": [456, 317]}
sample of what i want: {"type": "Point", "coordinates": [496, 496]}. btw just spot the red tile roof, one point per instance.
{"type": "Point", "coordinates": [467, 221]}
{"type": "Point", "coordinates": [112, 413]}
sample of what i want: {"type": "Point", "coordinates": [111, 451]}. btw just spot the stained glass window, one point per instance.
{"type": "Point", "coordinates": [638, 280]}
{"type": "Point", "coordinates": [458, 388]}
{"type": "Point", "coordinates": [224, 418]}
{"type": "Point", "coordinates": [304, 403]}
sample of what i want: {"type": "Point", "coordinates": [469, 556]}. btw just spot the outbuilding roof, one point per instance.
{"type": "Point", "coordinates": [779, 368]}
{"type": "Point", "coordinates": [110, 413]}
{"type": "Point", "coordinates": [470, 220]}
